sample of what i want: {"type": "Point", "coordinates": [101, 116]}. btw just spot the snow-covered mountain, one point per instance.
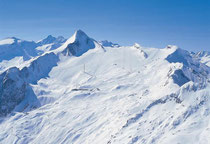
{"type": "Point", "coordinates": [85, 91]}
{"type": "Point", "coordinates": [15, 52]}
{"type": "Point", "coordinates": [13, 47]}
{"type": "Point", "coordinates": [78, 44]}
{"type": "Point", "coordinates": [50, 43]}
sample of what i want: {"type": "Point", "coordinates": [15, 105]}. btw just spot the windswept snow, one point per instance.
{"type": "Point", "coordinates": [86, 92]}
{"type": "Point", "coordinates": [7, 41]}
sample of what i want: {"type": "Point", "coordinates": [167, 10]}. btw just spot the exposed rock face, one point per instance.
{"type": "Point", "coordinates": [12, 90]}
{"type": "Point", "coordinates": [179, 77]}
{"type": "Point", "coordinates": [38, 68]}
{"type": "Point", "coordinates": [190, 69]}
{"type": "Point", "coordinates": [78, 44]}
{"type": "Point", "coordinates": [106, 43]}
{"type": "Point", "coordinates": [15, 83]}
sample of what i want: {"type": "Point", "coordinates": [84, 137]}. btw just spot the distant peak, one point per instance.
{"type": "Point", "coordinates": [79, 33]}
{"type": "Point", "coordinates": [78, 36]}
{"type": "Point", "coordinates": [12, 38]}
{"type": "Point", "coordinates": [50, 36]}
{"type": "Point", "coordinates": [49, 39]}
{"type": "Point", "coordinates": [107, 43]}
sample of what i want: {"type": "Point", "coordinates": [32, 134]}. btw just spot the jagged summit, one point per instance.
{"type": "Point", "coordinates": [47, 40]}
{"type": "Point", "coordinates": [80, 33]}
{"type": "Point", "coordinates": [202, 54]}
{"type": "Point", "coordinates": [78, 44]}
{"type": "Point", "coordinates": [51, 39]}
{"type": "Point", "coordinates": [77, 36]}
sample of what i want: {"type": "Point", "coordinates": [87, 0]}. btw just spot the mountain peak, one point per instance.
{"type": "Point", "coordinates": [49, 39]}
{"type": "Point", "coordinates": [178, 55]}
{"type": "Point", "coordinates": [107, 43]}
{"type": "Point", "coordinates": [14, 38]}
{"type": "Point", "coordinates": [78, 44]}
{"type": "Point", "coordinates": [78, 35]}
{"type": "Point", "coordinates": [80, 32]}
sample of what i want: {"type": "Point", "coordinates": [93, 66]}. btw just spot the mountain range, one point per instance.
{"type": "Point", "coordinates": [80, 90]}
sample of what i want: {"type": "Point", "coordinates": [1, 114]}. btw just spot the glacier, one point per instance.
{"type": "Point", "coordinates": [81, 90]}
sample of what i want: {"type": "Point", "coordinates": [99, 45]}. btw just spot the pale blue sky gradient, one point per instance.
{"type": "Point", "coordinates": [151, 23]}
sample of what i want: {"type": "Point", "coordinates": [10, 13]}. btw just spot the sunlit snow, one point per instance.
{"type": "Point", "coordinates": [86, 92]}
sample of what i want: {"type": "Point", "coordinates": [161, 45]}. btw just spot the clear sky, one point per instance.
{"type": "Point", "coordinates": [151, 23]}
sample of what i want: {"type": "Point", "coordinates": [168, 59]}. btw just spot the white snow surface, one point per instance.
{"type": "Point", "coordinates": [7, 41]}
{"type": "Point", "coordinates": [15, 52]}
{"type": "Point", "coordinates": [106, 95]}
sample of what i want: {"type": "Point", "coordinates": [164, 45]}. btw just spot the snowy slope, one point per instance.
{"type": "Point", "coordinates": [84, 92]}
{"type": "Point", "coordinates": [203, 56]}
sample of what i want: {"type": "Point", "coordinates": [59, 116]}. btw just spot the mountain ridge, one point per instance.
{"type": "Point", "coordinates": [86, 92]}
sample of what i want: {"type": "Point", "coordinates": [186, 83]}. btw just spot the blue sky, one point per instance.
{"type": "Point", "coordinates": [151, 23]}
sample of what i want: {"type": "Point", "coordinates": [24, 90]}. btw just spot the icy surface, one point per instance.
{"type": "Point", "coordinates": [84, 92]}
